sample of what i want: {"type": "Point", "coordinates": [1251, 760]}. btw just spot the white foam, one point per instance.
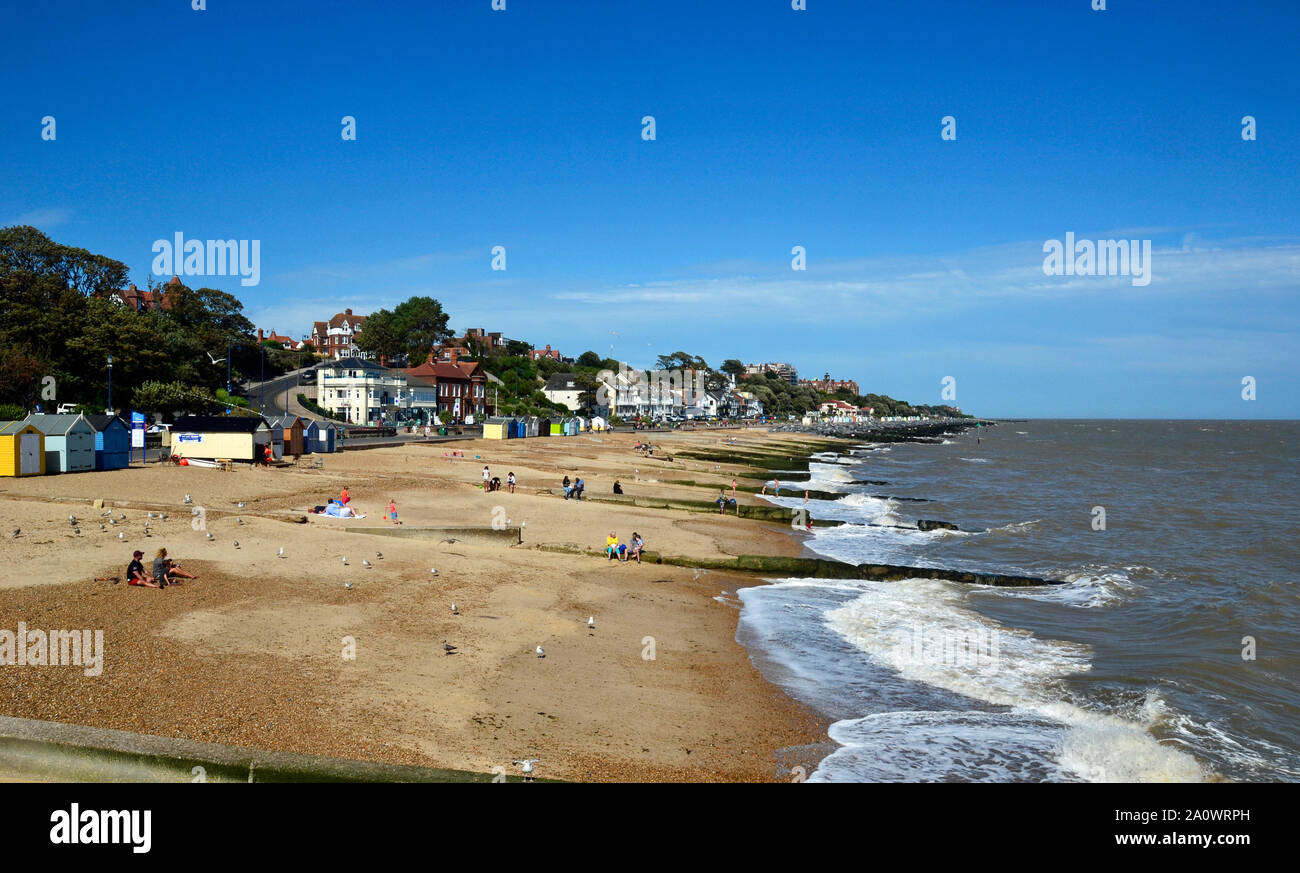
{"type": "Point", "coordinates": [1023, 672]}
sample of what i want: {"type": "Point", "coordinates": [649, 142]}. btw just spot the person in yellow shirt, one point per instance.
{"type": "Point", "coordinates": [611, 546]}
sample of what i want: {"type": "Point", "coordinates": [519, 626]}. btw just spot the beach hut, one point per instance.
{"type": "Point", "coordinates": [22, 449]}
{"type": "Point", "coordinates": [239, 438]}
{"type": "Point", "coordinates": [598, 423]}
{"type": "Point", "coordinates": [291, 426]}
{"type": "Point", "coordinates": [496, 429]}
{"type": "Point", "coordinates": [530, 426]}
{"type": "Point", "coordinates": [543, 427]}
{"type": "Point", "coordinates": [112, 442]}
{"type": "Point", "coordinates": [581, 422]}
{"type": "Point", "coordinates": [515, 428]}
{"type": "Point", "coordinates": [69, 442]}
{"type": "Point", "coordinates": [556, 426]}
{"type": "Point", "coordinates": [571, 427]}
{"type": "Point", "coordinates": [321, 436]}
{"type": "Point", "coordinates": [275, 427]}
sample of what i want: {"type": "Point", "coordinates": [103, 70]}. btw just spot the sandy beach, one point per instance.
{"type": "Point", "coordinates": [254, 651]}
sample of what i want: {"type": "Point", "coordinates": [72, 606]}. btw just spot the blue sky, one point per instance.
{"type": "Point", "coordinates": [775, 128]}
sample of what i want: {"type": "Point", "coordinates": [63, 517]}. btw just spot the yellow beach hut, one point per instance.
{"type": "Point", "coordinates": [22, 449]}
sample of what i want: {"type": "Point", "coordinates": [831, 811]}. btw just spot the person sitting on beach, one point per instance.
{"type": "Point", "coordinates": [166, 571]}
{"type": "Point", "coordinates": [611, 547]}
{"type": "Point", "coordinates": [496, 483]}
{"type": "Point", "coordinates": [135, 574]}
{"type": "Point", "coordinates": [618, 489]}
{"type": "Point", "coordinates": [510, 482]}
{"type": "Point", "coordinates": [568, 488]}
{"type": "Point", "coordinates": [637, 546]}
{"type": "Point", "coordinates": [578, 487]}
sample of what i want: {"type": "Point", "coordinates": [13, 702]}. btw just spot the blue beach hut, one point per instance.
{"type": "Point", "coordinates": [112, 442]}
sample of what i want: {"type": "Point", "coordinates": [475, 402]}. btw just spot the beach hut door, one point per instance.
{"type": "Point", "coordinates": [29, 451]}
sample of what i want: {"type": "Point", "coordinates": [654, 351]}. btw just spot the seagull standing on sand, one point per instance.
{"type": "Point", "coordinates": [379, 555]}
{"type": "Point", "coordinates": [209, 535]}
{"type": "Point", "coordinates": [526, 765]}
{"type": "Point", "coordinates": [238, 520]}
{"type": "Point", "coordinates": [591, 621]}
{"type": "Point", "coordinates": [447, 647]}
{"type": "Point", "coordinates": [454, 610]}
{"type": "Point", "coordinates": [189, 499]}
{"type": "Point", "coordinates": [240, 504]}
{"type": "Point", "coordinates": [366, 564]}
{"type": "Point", "coordinates": [433, 570]}
{"type": "Point", "coordinates": [345, 560]}
{"type": "Point", "coordinates": [541, 653]}
{"type": "Point", "coordinates": [235, 543]}
{"type": "Point", "coordinates": [121, 536]}
{"type": "Point", "coordinates": [281, 551]}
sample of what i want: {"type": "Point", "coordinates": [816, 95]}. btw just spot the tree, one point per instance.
{"type": "Point", "coordinates": [20, 377]}
{"type": "Point", "coordinates": [380, 335]}
{"type": "Point", "coordinates": [733, 367]}
{"type": "Point", "coordinates": [589, 359]}
{"type": "Point", "coordinates": [421, 324]}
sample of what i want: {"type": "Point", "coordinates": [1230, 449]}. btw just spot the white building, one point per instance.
{"type": "Point", "coordinates": [365, 393]}
{"type": "Point", "coordinates": [562, 388]}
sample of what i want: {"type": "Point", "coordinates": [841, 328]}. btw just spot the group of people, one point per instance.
{"type": "Point", "coordinates": [165, 571]}
{"type": "Point", "coordinates": [493, 483]}
{"type": "Point", "coordinates": [624, 552]}
{"type": "Point", "coordinates": [573, 488]}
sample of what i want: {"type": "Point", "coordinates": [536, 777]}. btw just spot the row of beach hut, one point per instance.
{"type": "Point", "coordinates": [41, 444]}
{"type": "Point", "coordinates": [519, 427]}
{"type": "Point", "coordinates": [45, 444]}
{"type": "Point", "coordinates": [210, 437]}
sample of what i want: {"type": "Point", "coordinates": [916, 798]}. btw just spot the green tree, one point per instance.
{"type": "Point", "coordinates": [422, 324]}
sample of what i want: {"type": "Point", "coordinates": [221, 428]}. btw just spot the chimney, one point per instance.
{"type": "Point", "coordinates": [259, 335]}
{"type": "Point", "coordinates": [347, 312]}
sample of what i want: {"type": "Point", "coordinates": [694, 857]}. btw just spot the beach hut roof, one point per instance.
{"type": "Point", "coordinates": [11, 427]}
{"type": "Point", "coordinates": [284, 420]}
{"type": "Point", "coordinates": [55, 425]}
{"type": "Point", "coordinates": [99, 422]}
{"type": "Point", "coordinates": [219, 424]}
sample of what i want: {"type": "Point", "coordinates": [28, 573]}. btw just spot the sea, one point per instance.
{"type": "Point", "coordinates": [1170, 654]}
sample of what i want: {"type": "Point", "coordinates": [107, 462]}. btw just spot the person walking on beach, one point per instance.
{"type": "Point", "coordinates": [344, 498]}
{"type": "Point", "coordinates": [392, 511]}
{"type": "Point", "coordinates": [487, 479]}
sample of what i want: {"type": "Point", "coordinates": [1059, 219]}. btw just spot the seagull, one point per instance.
{"type": "Point", "coordinates": [106, 513]}
{"type": "Point", "coordinates": [121, 536]}
{"type": "Point", "coordinates": [236, 543]}
{"type": "Point", "coordinates": [72, 519]}
{"type": "Point", "coordinates": [447, 647]}
{"type": "Point", "coordinates": [591, 621]}
{"type": "Point", "coordinates": [77, 531]}
{"type": "Point", "coordinates": [345, 560]}
{"type": "Point", "coordinates": [366, 563]}
{"type": "Point", "coordinates": [189, 499]}
{"type": "Point", "coordinates": [122, 515]}
{"type": "Point", "coordinates": [379, 555]}
{"type": "Point", "coordinates": [433, 571]}
{"type": "Point", "coordinates": [151, 515]}
{"type": "Point", "coordinates": [209, 534]}
{"type": "Point", "coordinates": [454, 610]}
{"type": "Point", "coordinates": [101, 526]}
{"type": "Point", "coordinates": [163, 516]}
{"type": "Point", "coordinates": [212, 359]}
{"type": "Point", "coordinates": [17, 531]}
{"type": "Point", "coordinates": [239, 520]}
{"type": "Point", "coordinates": [112, 521]}
{"type": "Point", "coordinates": [541, 653]}
{"type": "Point", "coordinates": [281, 551]}
{"type": "Point", "coordinates": [527, 766]}
{"type": "Point", "coordinates": [240, 504]}
{"type": "Point", "coordinates": [347, 585]}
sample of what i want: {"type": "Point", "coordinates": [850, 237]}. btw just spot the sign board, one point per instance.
{"type": "Point", "coordinates": [190, 437]}
{"type": "Point", "coordinates": [137, 430]}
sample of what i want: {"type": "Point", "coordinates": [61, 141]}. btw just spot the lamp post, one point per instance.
{"type": "Point", "coordinates": [110, 385]}
{"type": "Point", "coordinates": [262, 387]}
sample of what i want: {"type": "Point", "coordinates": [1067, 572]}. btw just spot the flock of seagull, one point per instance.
{"type": "Point", "coordinates": [526, 764]}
